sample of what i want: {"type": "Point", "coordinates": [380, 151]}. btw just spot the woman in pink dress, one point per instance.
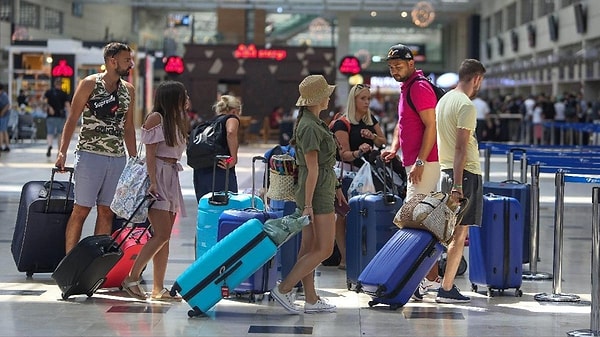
{"type": "Point", "coordinates": [164, 133]}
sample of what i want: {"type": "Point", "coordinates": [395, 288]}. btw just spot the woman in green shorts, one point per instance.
{"type": "Point", "coordinates": [315, 195]}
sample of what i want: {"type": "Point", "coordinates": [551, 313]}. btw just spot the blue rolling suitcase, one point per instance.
{"type": "Point", "coordinates": [495, 253]}
{"type": "Point", "coordinates": [224, 266]}
{"type": "Point", "coordinates": [521, 192]}
{"type": "Point", "coordinates": [395, 271]}
{"type": "Point", "coordinates": [369, 225]}
{"type": "Point", "coordinates": [211, 206]}
{"type": "Point", "coordinates": [288, 252]}
{"type": "Point", "coordinates": [266, 277]}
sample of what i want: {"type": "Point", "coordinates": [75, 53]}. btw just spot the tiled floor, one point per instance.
{"type": "Point", "coordinates": [34, 307]}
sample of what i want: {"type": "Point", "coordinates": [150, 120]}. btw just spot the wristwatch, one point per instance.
{"type": "Point", "coordinates": [419, 162]}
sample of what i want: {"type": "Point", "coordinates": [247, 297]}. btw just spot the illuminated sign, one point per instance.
{"type": "Point", "coordinates": [350, 65]}
{"type": "Point", "coordinates": [174, 65]}
{"type": "Point", "coordinates": [251, 52]}
{"type": "Point", "coordinates": [62, 69]}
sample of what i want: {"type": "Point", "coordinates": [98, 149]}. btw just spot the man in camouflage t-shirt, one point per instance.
{"type": "Point", "coordinates": [104, 102]}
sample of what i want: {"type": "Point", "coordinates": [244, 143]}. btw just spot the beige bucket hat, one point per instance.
{"type": "Point", "coordinates": [313, 89]}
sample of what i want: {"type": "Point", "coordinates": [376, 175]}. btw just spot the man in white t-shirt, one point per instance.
{"type": "Point", "coordinates": [483, 111]}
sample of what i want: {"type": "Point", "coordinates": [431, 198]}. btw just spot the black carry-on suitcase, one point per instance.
{"type": "Point", "coordinates": [84, 269]}
{"type": "Point", "coordinates": [38, 243]}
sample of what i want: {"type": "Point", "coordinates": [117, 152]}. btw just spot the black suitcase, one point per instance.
{"type": "Point", "coordinates": [84, 269]}
{"type": "Point", "coordinates": [38, 243]}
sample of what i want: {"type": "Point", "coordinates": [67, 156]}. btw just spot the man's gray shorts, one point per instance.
{"type": "Point", "coordinates": [96, 177]}
{"type": "Point", "coordinates": [472, 186]}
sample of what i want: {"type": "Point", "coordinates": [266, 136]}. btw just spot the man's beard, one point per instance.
{"type": "Point", "coordinates": [123, 72]}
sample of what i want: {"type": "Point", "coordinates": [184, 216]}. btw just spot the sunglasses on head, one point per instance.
{"type": "Point", "coordinates": [362, 86]}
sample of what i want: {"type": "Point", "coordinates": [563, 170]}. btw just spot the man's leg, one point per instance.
{"type": "Point", "coordinates": [455, 253]}
{"type": "Point", "coordinates": [75, 226]}
{"type": "Point", "coordinates": [104, 220]}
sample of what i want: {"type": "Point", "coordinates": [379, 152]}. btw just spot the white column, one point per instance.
{"type": "Point", "coordinates": [343, 43]}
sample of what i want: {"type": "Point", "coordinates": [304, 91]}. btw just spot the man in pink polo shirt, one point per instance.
{"type": "Point", "coordinates": [415, 136]}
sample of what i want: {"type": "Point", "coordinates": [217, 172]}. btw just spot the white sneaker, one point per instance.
{"type": "Point", "coordinates": [286, 300]}
{"type": "Point", "coordinates": [427, 285]}
{"type": "Point", "coordinates": [322, 305]}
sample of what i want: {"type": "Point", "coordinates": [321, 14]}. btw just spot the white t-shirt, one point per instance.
{"type": "Point", "coordinates": [482, 108]}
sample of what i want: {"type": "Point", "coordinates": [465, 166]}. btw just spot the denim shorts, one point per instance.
{"type": "Point", "coordinates": [96, 178]}
{"type": "Point", "coordinates": [4, 121]}
{"type": "Point", "coordinates": [55, 125]}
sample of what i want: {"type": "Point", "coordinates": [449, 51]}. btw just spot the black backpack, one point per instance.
{"type": "Point", "coordinates": [207, 140]}
{"type": "Point", "coordinates": [439, 91]}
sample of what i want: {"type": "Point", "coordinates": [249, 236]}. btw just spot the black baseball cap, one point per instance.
{"type": "Point", "coordinates": [400, 52]}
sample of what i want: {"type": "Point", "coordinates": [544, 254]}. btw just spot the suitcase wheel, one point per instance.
{"type": "Point", "coordinates": [394, 307]}
{"type": "Point", "coordinates": [29, 275]}
{"type": "Point", "coordinates": [372, 303]}
{"type": "Point", "coordinates": [473, 287]}
{"type": "Point", "coordinates": [518, 293]}
{"type": "Point", "coordinates": [64, 296]}
{"type": "Point", "coordinates": [195, 312]}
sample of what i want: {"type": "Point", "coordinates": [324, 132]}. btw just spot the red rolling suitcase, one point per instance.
{"type": "Point", "coordinates": [38, 243]}
{"type": "Point", "coordinates": [131, 240]}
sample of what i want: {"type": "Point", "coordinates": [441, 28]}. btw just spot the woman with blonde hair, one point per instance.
{"type": "Point", "coordinates": [357, 133]}
{"type": "Point", "coordinates": [230, 107]}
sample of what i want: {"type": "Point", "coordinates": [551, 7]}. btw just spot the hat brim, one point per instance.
{"type": "Point", "coordinates": [310, 101]}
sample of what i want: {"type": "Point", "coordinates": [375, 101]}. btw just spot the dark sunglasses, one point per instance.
{"type": "Point", "coordinates": [362, 86]}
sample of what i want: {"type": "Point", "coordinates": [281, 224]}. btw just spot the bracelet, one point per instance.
{"type": "Point", "coordinates": [306, 207]}
{"type": "Point", "coordinates": [456, 186]}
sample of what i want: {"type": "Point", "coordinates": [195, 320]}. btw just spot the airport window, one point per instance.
{"type": "Point", "coordinates": [5, 10]}
{"type": "Point", "coordinates": [29, 15]}
{"type": "Point", "coordinates": [53, 21]}
{"type": "Point", "coordinates": [486, 28]}
{"type": "Point", "coordinates": [77, 9]}
{"type": "Point", "coordinates": [511, 16]}
{"type": "Point", "coordinates": [545, 7]}
{"type": "Point", "coordinates": [498, 22]}
{"type": "Point", "coordinates": [566, 3]}
{"type": "Point", "coordinates": [526, 11]}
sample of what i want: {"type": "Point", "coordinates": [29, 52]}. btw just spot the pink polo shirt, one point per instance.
{"type": "Point", "coordinates": [410, 125]}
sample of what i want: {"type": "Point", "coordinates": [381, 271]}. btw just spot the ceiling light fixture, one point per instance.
{"type": "Point", "coordinates": [422, 14]}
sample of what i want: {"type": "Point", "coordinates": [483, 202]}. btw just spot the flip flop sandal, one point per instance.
{"type": "Point", "coordinates": [134, 289]}
{"type": "Point", "coordinates": [165, 296]}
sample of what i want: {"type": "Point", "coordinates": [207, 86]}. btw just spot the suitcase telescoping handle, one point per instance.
{"type": "Point", "coordinates": [69, 170]}
{"type": "Point", "coordinates": [134, 225]}
{"type": "Point", "coordinates": [265, 161]}
{"type": "Point", "coordinates": [222, 198]}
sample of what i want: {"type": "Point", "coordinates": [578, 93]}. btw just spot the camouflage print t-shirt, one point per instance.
{"type": "Point", "coordinates": [103, 125]}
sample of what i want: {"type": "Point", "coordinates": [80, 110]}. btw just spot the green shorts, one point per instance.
{"type": "Point", "coordinates": [324, 195]}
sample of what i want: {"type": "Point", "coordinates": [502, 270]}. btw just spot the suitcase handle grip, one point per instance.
{"type": "Point", "coordinates": [69, 170]}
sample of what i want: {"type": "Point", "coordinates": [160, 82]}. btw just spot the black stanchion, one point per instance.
{"type": "Point", "coordinates": [533, 274]}
{"type": "Point", "coordinates": [595, 312]}
{"type": "Point", "coordinates": [559, 203]}
{"type": "Point", "coordinates": [487, 155]}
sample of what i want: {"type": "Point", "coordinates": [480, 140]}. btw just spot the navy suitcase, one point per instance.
{"type": "Point", "coordinates": [38, 243]}
{"type": "Point", "coordinates": [521, 192]}
{"type": "Point", "coordinates": [224, 266]}
{"type": "Point", "coordinates": [369, 225]}
{"type": "Point", "coordinates": [396, 270]}
{"type": "Point", "coordinates": [495, 253]}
